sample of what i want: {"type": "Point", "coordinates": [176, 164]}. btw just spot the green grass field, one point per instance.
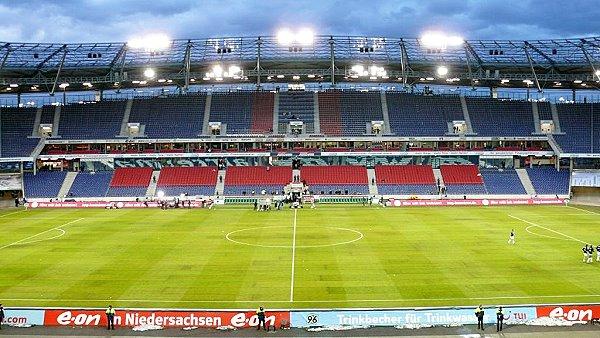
{"type": "Point", "coordinates": [332, 256]}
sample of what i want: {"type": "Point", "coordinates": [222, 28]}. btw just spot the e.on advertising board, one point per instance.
{"type": "Point", "coordinates": [131, 318]}
{"type": "Point", "coordinates": [573, 313]}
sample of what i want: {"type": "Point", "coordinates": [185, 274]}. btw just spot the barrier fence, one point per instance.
{"type": "Point", "coordinates": [297, 319]}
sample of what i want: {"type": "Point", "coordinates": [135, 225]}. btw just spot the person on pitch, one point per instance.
{"type": "Point", "coordinates": [261, 318]}
{"type": "Point", "coordinates": [110, 318]}
{"type": "Point", "coordinates": [499, 319]}
{"type": "Point", "coordinates": [590, 258]}
{"type": "Point", "coordinates": [511, 237]}
{"type": "Point", "coordinates": [598, 253]}
{"type": "Point", "coordinates": [1, 316]}
{"type": "Point", "coordinates": [585, 253]}
{"type": "Point", "coordinates": [479, 313]}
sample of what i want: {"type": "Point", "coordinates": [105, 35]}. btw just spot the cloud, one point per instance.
{"type": "Point", "coordinates": [118, 20]}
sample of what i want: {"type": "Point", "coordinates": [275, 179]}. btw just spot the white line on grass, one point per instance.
{"type": "Point", "coordinates": [293, 256]}
{"type": "Point", "coordinates": [12, 213]}
{"type": "Point", "coordinates": [543, 227]}
{"type": "Point", "coordinates": [591, 212]}
{"type": "Point", "coordinates": [39, 233]}
{"type": "Point", "coordinates": [403, 300]}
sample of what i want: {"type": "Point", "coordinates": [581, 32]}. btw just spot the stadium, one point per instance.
{"type": "Point", "coordinates": [340, 182]}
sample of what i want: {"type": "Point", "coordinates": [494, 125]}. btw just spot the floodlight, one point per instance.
{"type": "Point", "coordinates": [217, 71]}
{"type": "Point", "coordinates": [149, 73]}
{"type": "Point", "coordinates": [429, 79]}
{"type": "Point", "coordinates": [440, 40]}
{"type": "Point", "coordinates": [305, 36]}
{"type": "Point", "coordinates": [87, 84]}
{"type": "Point", "coordinates": [13, 85]}
{"type": "Point", "coordinates": [442, 71]}
{"type": "Point", "coordinates": [285, 37]}
{"type": "Point", "coordinates": [597, 72]}
{"type": "Point", "coordinates": [160, 194]}
{"type": "Point", "coordinates": [280, 76]}
{"type": "Point", "coordinates": [161, 80]}
{"type": "Point", "coordinates": [577, 81]}
{"type": "Point", "coordinates": [504, 81]}
{"type": "Point", "coordinates": [150, 42]}
{"type": "Point", "coordinates": [63, 85]}
{"type": "Point", "coordinates": [358, 69]}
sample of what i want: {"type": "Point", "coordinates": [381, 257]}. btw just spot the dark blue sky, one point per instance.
{"type": "Point", "coordinates": [118, 20]}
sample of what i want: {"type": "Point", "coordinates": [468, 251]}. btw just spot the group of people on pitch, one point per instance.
{"type": "Point", "coordinates": [588, 253]}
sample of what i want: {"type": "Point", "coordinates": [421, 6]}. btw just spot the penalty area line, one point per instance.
{"type": "Point", "coordinates": [39, 233]}
{"type": "Point", "coordinates": [12, 213]}
{"type": "Point", "coordinates": [588, 211]}
{"type": "Point", "coordinates": [548, 229]}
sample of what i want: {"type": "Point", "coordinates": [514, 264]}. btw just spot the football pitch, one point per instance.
{"type": "Point", "coordinates": [328, 257]}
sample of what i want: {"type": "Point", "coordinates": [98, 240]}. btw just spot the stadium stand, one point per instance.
{"type": "Point", "coordinates": [549, 181]}
{"type": "Point", "coordinates": [505, 182]}
{"type": "Point", "coordinates": [357, 110]}
{"type": "Point", "coordinates": [44, 184]}
{"type": "Point", "coordinates": [337, 179]}
{"type": "Point", "coordinates": [491, 117]}
{"type": "Point", "coordinates": [576, 121]}
{"type": "Point", "coordinates": [174, 181]}
{"type": "Point", "coordinates": [96, 120]}
{"type": "Point", "coordinates": [16, 125]}
{"type": "Point", "coordinates": [405, 180]}
{"type": "Point", "coordinates": [243, 180]}
{"type": "Point", "coordinates": [544, 110]}
{"type": "Point", "coordinates": [418, 115]}
{"type": "Point", "coordinates": [170, 117]}
{"type": "Point", "coordinates": [329, 113]}
{"type": "Point", "coordinates": [262, 112]}
{"type": "Point", "coordinates": [129, 182]}
{"type": "Point", "coordinates": [91, 184]}
{"type": "Point", "coordinates": [296, 106]}
{"type": "Point", "coordinates": [233, 109]}
{"type": "Point", "coordinates": [462, 179]}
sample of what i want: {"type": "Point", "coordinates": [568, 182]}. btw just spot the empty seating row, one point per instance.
{"type": "Point", "coordinates": [462, 179]}
{"type": "Point", "coordinates": [44, 184]}
{"type": "Point", "coordinates": [549, 181]}
{"type": "Point", "coordinates": [95, 120]}
{"type": "Point", "coordinates": [16, 125]}
{"type": "Point", "coordinates": [419, 115]}
{"type": "Point", "coordinates": [296, 106]}
{"type": "Point", "coordinates": [174, 181]}
{"type": "Point", "coordinates": [405, 180]}
{"type": "Point", "coordinates": [491, 117]}
{"type": "Point", "coordinates": [170, 117]}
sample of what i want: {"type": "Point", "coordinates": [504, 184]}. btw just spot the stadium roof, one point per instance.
{"type": "Point", "coordinates": [478, 62]}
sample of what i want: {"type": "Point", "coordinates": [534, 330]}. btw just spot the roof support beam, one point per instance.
{"type": "Point", "coordinates": [332, 57]}
{"type": "Point", "coordinates": [403, 61]}
{"type": "Point", "coordinates": [187, 62]}
{"type": "Point", "coordinates": [258, 45]}
{"type": "Point", "coordinates": [471, 51]}
{"type": "Point", "coordinates": [120, 54]}
{"type": "Point", "coordinates": [41, 64]}
{"type": "Point", "coordinates": [535, 77]}
{"type": "Point", "coordinates": [62, 62]}
{"type": "Point", "coordinates": [535, 49]}
{"type": "Point", "coordinates": [589, 59]}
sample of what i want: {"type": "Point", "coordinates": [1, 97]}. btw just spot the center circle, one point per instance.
{"type": "Point", "coordinates": [266, 234]}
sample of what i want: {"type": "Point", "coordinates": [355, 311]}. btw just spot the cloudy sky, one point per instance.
{"type": "Point", "coordinates": [119, 20]}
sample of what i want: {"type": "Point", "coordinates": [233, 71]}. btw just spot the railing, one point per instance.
{"type": "Point", "coordinates": [551, 95]}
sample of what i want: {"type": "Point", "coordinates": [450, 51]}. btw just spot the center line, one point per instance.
{"type": "Point", "coordinates": [293, 256]}
{"type": "Point", "coordinates": [556, 232]}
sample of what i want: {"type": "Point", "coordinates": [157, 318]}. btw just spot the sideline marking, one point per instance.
{"type": "Point", "coordinates": [293, 255]}
{"type": "Point", "coordinates": [12, 213]}
{"type": "Point", "coordinates": [533, 233]}
{"type": "Point", "coordinates": [548, 229]}
{"type": "Point", "coordinates": [296, 301]}
{"type": "Point", "coordinates": [360, 236]}
{"type": "Point", "coordinates": [591, 212]}
{"type": "Point", "coordinates": [39, 233]}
